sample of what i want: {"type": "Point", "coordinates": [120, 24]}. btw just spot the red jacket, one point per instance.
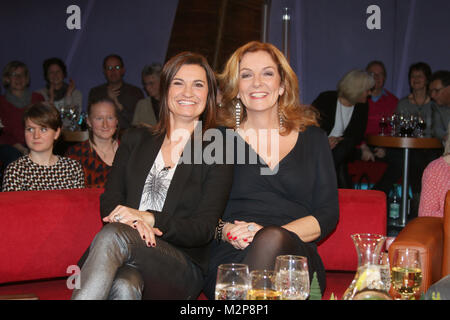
{"type": "Point", "coordinates": [13, 131]}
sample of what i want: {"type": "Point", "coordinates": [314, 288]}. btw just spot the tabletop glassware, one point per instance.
{"type": "Point", "coordinates": [383, 124]}
{"type": "Point", "coordinates": [263, 286]}
{"type": "Point", "coordinates": [292, 277]}
{"type": "Point", "coordinates": [421, 126]}
{"type": "Point", "coordinates": [393, 122]}
{"type": "Point", "coordinates": [406, 272]}
{"type": "Point", "coordinates": [233, 282]}
{"type": "Point", "coordinates": [368, 274]}
{"type": "Point", "coordinates": [385, 271]}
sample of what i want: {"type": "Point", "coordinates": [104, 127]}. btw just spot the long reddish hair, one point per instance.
{"type": "Point", "coordinates": [295, 115]}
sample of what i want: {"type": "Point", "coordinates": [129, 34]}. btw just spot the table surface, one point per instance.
{"type": "Point", "coordinates": [404, 142]}
{"type": "Point", "coordinates": [75, 136]}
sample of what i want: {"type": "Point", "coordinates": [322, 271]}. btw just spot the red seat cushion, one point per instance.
{"type": "Point", "coordinates": [44, 290]}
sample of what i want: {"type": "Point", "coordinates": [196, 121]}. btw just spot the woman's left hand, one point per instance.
{"type": "Point", "coordinates": [241, 233]}
{"type": "Point", "coordinates": [135, 219]}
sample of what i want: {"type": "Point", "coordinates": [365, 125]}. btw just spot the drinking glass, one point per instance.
{"type": "Point", "coordinates": [233, 281]}
{"type": "Point", "coordinates": [383, 124]}
{"type": "Point", "coordinates": [263, 286]}
{"type": "Point", "coordinates": [385, 271]}
{"type": "Point", "coordinates": [292, 277]}
{"type": "Point", "coordinates": [406, 272]}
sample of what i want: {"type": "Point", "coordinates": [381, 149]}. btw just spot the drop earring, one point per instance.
{"type": "Point", "coordinates": [238, 114]}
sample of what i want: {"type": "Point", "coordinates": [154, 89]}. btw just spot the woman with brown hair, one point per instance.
{"type": "Point", "coordinates": [161, 212]}
{"type": "Point", "coordinates": [287, 200]}
{"type": "Point", "coordinates": [41, 169]}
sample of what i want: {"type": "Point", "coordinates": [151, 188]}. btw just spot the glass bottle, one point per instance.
{"type": "Point", "coordinates": [394, 205]}
{"type": "Point", "coordinates": [368, 275]}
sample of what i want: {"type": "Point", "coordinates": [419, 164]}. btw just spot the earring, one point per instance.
{"type": "Point", "coordinates": [238, 114]}
{"type": "Point", "coordinates": [281, 119]}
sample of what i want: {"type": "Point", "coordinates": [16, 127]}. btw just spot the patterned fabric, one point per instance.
{"type": "Point", "coordinates": [25, 175]}
{"type": "Point", "coordinates": [435, 184]}
{"type": "Point", "coordinates": [156, 185]}
{"type": "Point", "coordinates": [95, 169]}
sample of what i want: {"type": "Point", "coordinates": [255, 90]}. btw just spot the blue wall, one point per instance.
{"type": "Point", "coordinates": [330, 37]}
{"type": "Point", "coordinates": [138, 30]}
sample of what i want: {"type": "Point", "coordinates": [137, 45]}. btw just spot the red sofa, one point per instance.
{"type": "Point", "coordinates": [43, 233]}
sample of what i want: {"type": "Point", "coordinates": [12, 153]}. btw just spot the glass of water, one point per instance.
{"type": "Point", "coordinates": [233, 282]}
{"type": "Point", "coordinates": [292, 277]}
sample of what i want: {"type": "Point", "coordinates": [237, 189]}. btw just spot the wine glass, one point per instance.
{"type": "Point", "coordinates": [233, 281]}
{"type": "Point", "coordinates": [385, 271]}
{"type": "Point", "coordinates": [292, 277]}
{"type": "Point", "coordinates": [383, 124]}
{"type": "Point", "coordinates": [421, 126]}
{"type": "Point", "coordinates": [406, 272]}
{"type": "Point", "coordinates": [393, 122]}
{"type": "Point", "coordinates": [263, 286]}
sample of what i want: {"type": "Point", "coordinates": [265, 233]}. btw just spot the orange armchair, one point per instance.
{"type": "Point", "coordinates": [431, 236]}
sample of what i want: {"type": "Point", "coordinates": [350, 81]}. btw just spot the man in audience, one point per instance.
{"type": "Point", "coordinates": [381, 103]}
{"type": "Point", "coordinates": [440, 93]}
{"type": "Point", "coordinates": [123, 94]}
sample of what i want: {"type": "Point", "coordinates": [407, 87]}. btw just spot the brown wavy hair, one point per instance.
{"type": "Point", "coordinates": [295, 116]}
{"type": "Point", "coordinates": [170, 69]}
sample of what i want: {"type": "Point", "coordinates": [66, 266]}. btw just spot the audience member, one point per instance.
{"type": "Point", "coordinates": [147, 109]}
{"type": "Point", "coordinates": [16, 80]}
{"type": "Point", "coordinates": [161, 212]}
{"type": "Point", "coordinates": [436, 183]}
{"type": "Point", "coordinates": [440, 93]}
{"type": "Point", "coordinates": [273, 212]}
{"type": "Point", "coordinates": [381, 103]}
{"type": "Point", "coordinates": [417, 102]}
{"type": "Point", "coordinates": [97, 153]}
{"type": "Point", "coordinates": [439, 290]}
{"type": "Point", "coordinates": [57, 92]}
{"type": "Point", "coordinates": [123, 94]}
{"type": "Point", "coordinates": [41, 169]}
{"type": "Point", "coordinates": [343, 116]}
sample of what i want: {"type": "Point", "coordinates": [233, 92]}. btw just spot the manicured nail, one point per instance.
{"type": "Point", "coordinates": [149, 244]}
{"type": "Point", "coordinates": [245, 240]}
{"type": "Point", "coordinates": [234, 238]}
{"type": "Point", "coordinates": [228, 234]}
{"type": "Point", "coordinates": [153, 245]}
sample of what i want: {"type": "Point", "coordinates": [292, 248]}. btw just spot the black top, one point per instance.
{"type": "Point", "coordinates": [195, 200]}
{"type": "Point", "coordinates": [353, 135]}
{"type": "Point", "coordinates": [304, 185]}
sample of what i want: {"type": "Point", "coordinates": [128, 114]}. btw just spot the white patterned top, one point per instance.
{"type": "Point", "coordinates": [156, 185]}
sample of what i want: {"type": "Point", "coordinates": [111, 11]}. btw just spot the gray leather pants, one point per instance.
{"type": "Point", "coordinates": [121, 266]}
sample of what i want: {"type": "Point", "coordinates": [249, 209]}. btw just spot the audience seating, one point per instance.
{"type": "Point", "coordinates": [431, 236]}
{"type": "Point", "coordinates": [45, 232]}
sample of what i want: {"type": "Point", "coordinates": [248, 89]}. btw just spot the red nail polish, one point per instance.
{"type": "Point", "coordinates": [245, 240]}
{"type": "Point", "coordinates": [228, 234]}
{"type": "Point", "coordinates": [234, 238]}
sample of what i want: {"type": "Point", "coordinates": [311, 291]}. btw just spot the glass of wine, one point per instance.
{"type": "Point", "coordinates": [421, 126]}
{"type": "Point", "coordinates": [233, 282]}
{"type": "Point", "coordinates": [292, 277]}
{"type": "Point", "coordinates": [406, 272]}
{"type": "Point", "coordinates": [263, 286]}
{"type": "Point", "coordinates": [383, 124]}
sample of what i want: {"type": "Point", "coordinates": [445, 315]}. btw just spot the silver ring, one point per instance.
{"type": "Point", "coordinates": [251, 228]}
{"type": "Point", "coordinates": [117, 218]}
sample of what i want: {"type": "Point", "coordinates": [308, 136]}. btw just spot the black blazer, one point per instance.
{"type": "Point", "coordinates": [354, 133]}
{"type": "Point", "coordinates": [195, 201]}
